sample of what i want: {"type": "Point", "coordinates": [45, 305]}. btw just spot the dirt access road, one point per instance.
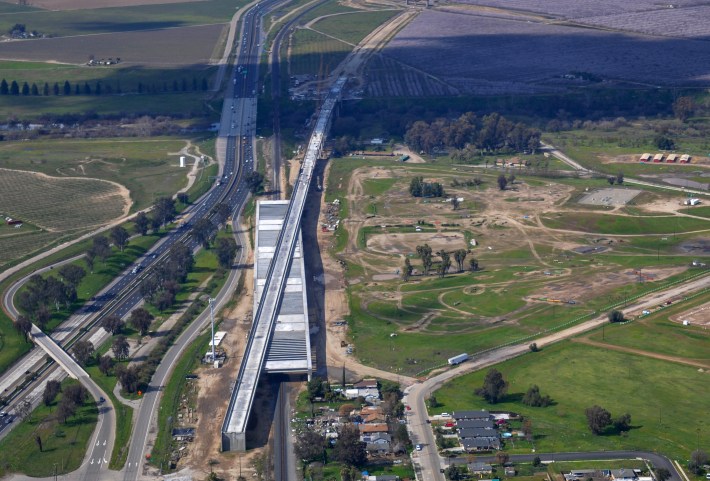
{"type": "Point", "coordinates": [415, 395]}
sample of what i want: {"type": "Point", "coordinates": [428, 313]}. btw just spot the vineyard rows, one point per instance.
{"type": "Point", "coordinates": [577, 9]}
{"type": "Point", "coordinates": [389, 78]}
{"type": "Point", "coordinates": [59, 204]}
{"type": "Point", "coordinates": [678, 22]}
{"type": "Point", "coordinates": [495, 55]}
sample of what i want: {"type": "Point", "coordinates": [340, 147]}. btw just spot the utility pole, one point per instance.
{"type": "Point", "coordinates": [211, 301]}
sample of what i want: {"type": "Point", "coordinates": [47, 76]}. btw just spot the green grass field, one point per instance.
{"type": "Point", "coordinates": [353, 27]}
{"type": "Point", "coordinates": [122, 19]}
{"type": "Point", "coordinates": [624, 225]}
{"type": "Point", "coordinates": [63, 445]}
{"type": "Point", "coordinates": [657, 333]}
{"type": "Point", "coordinates": [312, 52]}
{"type": "Point", "coordinates": [577, 377]}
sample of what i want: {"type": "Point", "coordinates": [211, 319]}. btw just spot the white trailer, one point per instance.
{"type": "Point", "coordinates": [458, 359]}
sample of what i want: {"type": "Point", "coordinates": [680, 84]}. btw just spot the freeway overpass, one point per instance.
{"type": "Point", "coordinates": [242, 398]}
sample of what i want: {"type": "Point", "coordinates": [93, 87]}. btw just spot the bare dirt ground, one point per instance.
{"type": "Point", "coordinates": [696, 316]}
{"type": "Point", "coordinates": [581, 289]}
{"type": "Point", "coordinates": [214, 386]}
{"type": "Point", "coordinates": [404, 243]}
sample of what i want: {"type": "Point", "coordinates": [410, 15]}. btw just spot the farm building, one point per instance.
{"type": "Point", "coordinates": [685, 158]}
{"type": "Point", "coordinates": [658, 158]}
{"type": "Point", "coordinates": [645, 157]}
{"type": "Point", "coordinates": [672, 158]}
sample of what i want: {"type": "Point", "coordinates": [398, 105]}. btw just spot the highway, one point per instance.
{"type": "Point", "coordinates": [123, 294]}
{"type": "Point", "coordinates": [238, 120]}
{"type": "Point", "coordinates": [428, 461]}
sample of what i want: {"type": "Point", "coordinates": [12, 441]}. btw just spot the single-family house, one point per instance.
{"type": "Point", "coordinates": [480, 468]}
{"type": "Point", "coordinates": [377, 443]}
{"type": "Point", "coordinates": [476, 433]}
{"type": "Point", "coordinates": [623, 474]}
{"type": "Point", "coordinates": [373, 428]}
{"type": "Point", "coordinates": [480, 444]}
{"type": "Point", "coordinates": [475, 423]}
{"type": "Point", "coordinates": [469, 415]}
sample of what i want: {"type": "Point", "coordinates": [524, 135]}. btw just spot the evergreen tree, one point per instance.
{"type": "Point", "coordinates": [25, 89]}
{"type": "Point", "coordinates": [4, 88]}
{"type": "Point", "coordinates": [67, 88]}
{"type": "Point", "coordinates": [87, 88]}
{"type": "Point", "coordinates": [45, 90]}
{"type": "Point", "coordinates": [77, 90]}
{"type": "Point", "coordinates": [55, 89]}
{"type": "Point", "coordinates": [97, 90]}
{"type": "Point", "coordinates": [14, 88]}
{"type": "Point", "coordinates": [35, 90]}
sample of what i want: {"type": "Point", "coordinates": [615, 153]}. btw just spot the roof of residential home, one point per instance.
{"type": "Point", "coordinates": [475, 423]}
{"type": "Point", "coordinates": [477, 433]}
{"type": "Point", "coordinates": [373, 428]}
{"type": "Point", "coordinates": [372, 437]}
{"type": "Point", "coordinates": [623, 473]}
{"type": "Point", "coordinates": [471, 415]}
{"type": "Point", "coordinates": [480, 468]}
{"type": "Point", "coordinates": [366, 383]}
{"type": "Point", "coordinates": [486, 443]}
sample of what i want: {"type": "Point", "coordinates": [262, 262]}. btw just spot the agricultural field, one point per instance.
{"type": "Point", "coordinates": [64, 188]}
{"type": "Point", "coordinates": [577, 376]}
{"type": "Point", "coordinates": [497, 58]}
{"type": "Point", "coordinates": [579, 9]}
{"type": "Point", "coordinates": [530, 277]}
{"type": "Point", "coordinates": [390, 78]}
{"type": "Point", "coordinates": [162, 48]}
{"type": "Point", "coordinates": [314, 53]}
{"type": "Point", "coordinates": [83, 4]}
{"type": "Point", "coordinates": [353, 27]}
{"type": "Point", "coordinates": [87, 21]}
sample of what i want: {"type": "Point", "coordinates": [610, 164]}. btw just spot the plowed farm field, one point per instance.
{"type": "Point", "coordinates": [171, 47]}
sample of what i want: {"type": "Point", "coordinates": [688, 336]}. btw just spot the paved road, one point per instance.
{"type": "Point", "coordinates": [99, 454]}
{"type": "Point", "coordinates": [238, 121]}
{"type": "Point", "coordinates": [428, 460]}
{"type": "Point", "coordinates": [655, 459]}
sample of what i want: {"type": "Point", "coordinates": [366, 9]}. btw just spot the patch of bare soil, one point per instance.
{"type": "Point", "coordinates": [405, 243]}
{"type": "Point", "coordinates": [696, 316]}
{"type": "Point", "coordinates": [215, 386]}
{"type": "Point", "coordinates": [572, 288]}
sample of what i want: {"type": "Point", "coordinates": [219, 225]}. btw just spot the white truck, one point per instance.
{"type": "Point", "coordinates": [458, 359]}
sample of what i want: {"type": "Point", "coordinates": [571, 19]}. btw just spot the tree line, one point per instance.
{"type": "Point", "coordinates": [469, 135]}
{"type": "Point", "coordinates": [98, 87]}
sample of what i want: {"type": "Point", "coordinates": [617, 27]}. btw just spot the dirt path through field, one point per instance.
{"type": "Point", "coordinates": [640, 352]}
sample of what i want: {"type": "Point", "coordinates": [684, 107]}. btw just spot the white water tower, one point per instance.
{"type": "Point", "coordinates": [182, 161]}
